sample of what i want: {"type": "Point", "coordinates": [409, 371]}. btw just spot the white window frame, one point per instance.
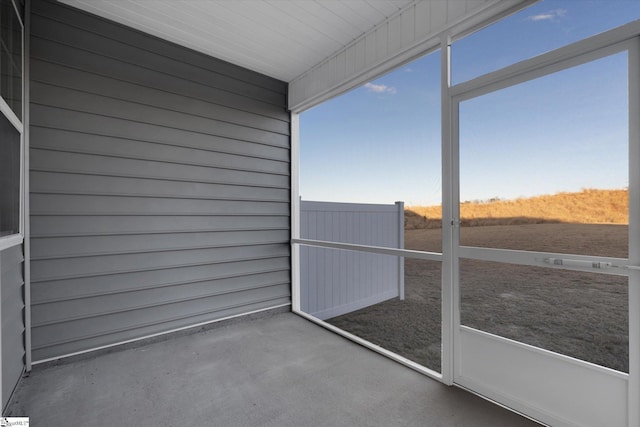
{"type": "Point", "coordinates": [12, 240]}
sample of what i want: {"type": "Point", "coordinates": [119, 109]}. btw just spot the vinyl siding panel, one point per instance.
{"type": "Point", "coordinates": [76, 225]}
{"type": "Point", "coordinates": [162, 270]}
{"type": "Point", "coordinates": [57, 183]}
{"type": "Point", "coordinates": [12, 282]}
{"type": "Point", "coordinates": [132, 325]}
{"type": "Point", "coordinates": [83, 164]}
{"type": "Point", "coordinates": [65, 247]}
{"type": "Point", "coordinates": [75, 138]}
{"type": "Point", "coordinates": [192, 158]}
{"type": "Point", "coordinates": [54, 74]}
{"type": "Point", "coordinates": [75, 100]}
{"type": "Point", "coordinates": [130, 36]}
{"type": "Point", "coordinates": [64, 27]}
{"type": "Point", "coordinates": [50, 51]}
{"type": "Point", "coordinates": [159, 185]}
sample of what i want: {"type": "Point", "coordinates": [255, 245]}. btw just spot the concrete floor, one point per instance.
{"type": "Point", "coordinates": [279, 371]}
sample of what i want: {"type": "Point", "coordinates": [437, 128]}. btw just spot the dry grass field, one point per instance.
{"type": "Point", "coordinates": [588, 206]}
{"type": "Point", "coordinates": [583, 315]}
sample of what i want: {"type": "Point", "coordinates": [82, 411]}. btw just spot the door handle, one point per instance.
{"type": "Point", "coordinates": [595, 265]}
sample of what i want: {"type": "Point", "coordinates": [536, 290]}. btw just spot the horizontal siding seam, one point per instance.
{"type": "Point", "coordinates": [18, 284]}
{"type": "Point", "coordinates": [157, 160]}
{"type": "Point", "coordinates": [263, 104]}
{"type": "Point", "coordinates": [164, 108]}
{"type": "Point", "coordinates": [124, 28]}
{"type": "Point", "coordinates": [158, 88]}
{"type": "Point", "coordinates": [164, 267]}
{"type": "Point", "coordinates": [157, 178]}
{"type": "Point", "coordinates": [34, 34]}
{"type": "Point", "coordinates": [152, 251]}
{"type": "Point", "coordinates": [13, 283]}
{"type": "Point", "coordinates": [34, 124]}
{"type": "Point", "coordinates": [158, 125]}
{"type": "Point", "coordinates": [11, 267]}
{"type": "Point", "coordinates": [172, 319]}
{"type": "Point", "coordinates": [10, 322]}
{"type": "Point", "coordinates": [183, 214]}
{"type": "Point", "coordinates": [11, 256]}
{"type": "Point", "coordinates": [161, 285]}
{"type": "Point", "coordinates": [166, 144]}
{"type": "Point", "coordinates": [160, 196]}
{"type": "Point", "coordinates": [145, 233]}
{"type": "Point", "coordinates": [179, 214]}
{"type": "Point", "coordinates": [14, 286]}
{"type": "Point", "coordinates": [151, 141]}
{"type": "Point", "coordinates": [160, 304]}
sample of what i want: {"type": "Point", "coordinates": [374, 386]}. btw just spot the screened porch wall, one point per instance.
{"type": "Point", "coordinates": [159, 185]}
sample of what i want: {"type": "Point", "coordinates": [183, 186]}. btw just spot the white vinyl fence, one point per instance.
{"type": "Point", "coordinates": [335, 282]}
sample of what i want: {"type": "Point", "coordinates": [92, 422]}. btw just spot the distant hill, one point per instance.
{"type": "Point", "coordinates": [589, 206]}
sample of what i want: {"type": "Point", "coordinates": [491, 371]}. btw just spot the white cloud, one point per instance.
{"type": "Point", "coordinates": [552, 14]}
{"type": "Point", "coordinates": [380, 88]}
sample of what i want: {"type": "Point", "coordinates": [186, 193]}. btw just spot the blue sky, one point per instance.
{"type": "Point", "coordinates": [381, 142]}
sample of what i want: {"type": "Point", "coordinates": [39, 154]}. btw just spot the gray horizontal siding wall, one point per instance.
{"type": "Point", "coordinates": [159, 185]}
{"type": "Point", "coordinates": [12, 289]}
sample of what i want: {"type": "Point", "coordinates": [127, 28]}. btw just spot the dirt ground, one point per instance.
{"type": "Point", "coordinates": [583, 315]}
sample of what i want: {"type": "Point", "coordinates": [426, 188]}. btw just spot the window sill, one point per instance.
{"type": "Point", "coordinates": [11, 241]}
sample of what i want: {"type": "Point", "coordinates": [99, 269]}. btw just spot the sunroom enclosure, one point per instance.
{"type": "Point", "coordinates": [495, 363]}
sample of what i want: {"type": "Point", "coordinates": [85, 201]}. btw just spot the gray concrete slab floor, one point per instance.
{"type": "Point", "coordinates": [278, 371]}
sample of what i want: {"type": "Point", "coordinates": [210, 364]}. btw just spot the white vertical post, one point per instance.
{"type": "Point", "coordinates": [27, 229]}
{"type": "Point", "coordinates": [449, 180]}
{"type": "Point", "coordinates": [634, 233]}
{"type": "Point", "coordinates": [1, 363]}
{"type": "Point", "coordinates": [295, 211]}
{"type": "Point", "coordinates": [400, 206]}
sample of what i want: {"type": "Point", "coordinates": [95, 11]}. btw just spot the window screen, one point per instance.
{"type": "Point", "coordinates": [11, 57]}
{"type": "Point", "coordinates": [9, 178]}
{"type": "Point", "coordinates": [10, 138]}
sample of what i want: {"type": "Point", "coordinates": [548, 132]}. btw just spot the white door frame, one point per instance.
{"type": "Point", "coordinates": [589, 390]}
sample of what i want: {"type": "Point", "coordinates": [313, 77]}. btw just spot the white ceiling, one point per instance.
{"type": "Point", "coordinates": [279, 38]}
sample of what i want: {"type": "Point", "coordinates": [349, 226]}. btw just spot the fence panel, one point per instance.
{"type": "Point", "coordinates": [336, 282]}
